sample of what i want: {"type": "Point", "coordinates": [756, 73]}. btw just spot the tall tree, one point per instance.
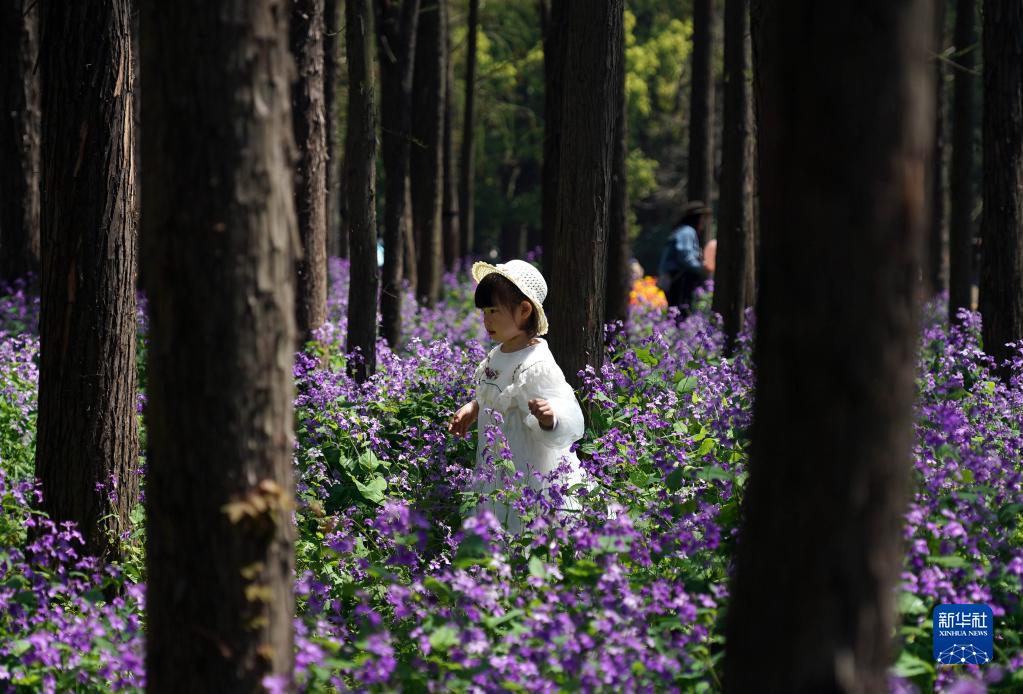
{"type": "Point", "coordinates": [1001, 277]}
{"type": "Point", "coordinates": [847, 121]}
{"type": "Point", "coordinates": [619, 268]}
{"type": "Point", "coordinates": [961, 193]}
{"type": "Point", "coordinates": [331, 70]}
{"type": "Point", "coordinates": [734, 274]}
{"type": "Point", "coordinates": [426, 175]}
{"type": "Point", "coordinates": [554, 19]}
{"type": "Point", "coordinates": [219, 271]}
{"type": "Point", "coordinates": [467, 162]}
{"type": "Point", "coordinates": [360, 172]}
{"type": "Point", "coordinates": [578, 257]}
{"type": "Point", "coordinates": [309, 119]}
{"type": "Point", "coordinates": [937, 188]}
{"type": "Point", "coordinates": [450, 232]}
{"type": "Point", "coordinates": [87, 436]}
{"type": "Point", "coordinates": [701, 111]}
{"type": "Point", "coordinates": [19, 139]}
{"type": "Point", "coordinates": [396, 45]}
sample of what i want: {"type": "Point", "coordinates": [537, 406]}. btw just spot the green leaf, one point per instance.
{"type": "Point", "coordinates": [443, 638]}
{"type": "Point", "coordinates": [537, 568]}
{"type": "Point", "coordinates": [910, 603]}
{"type": "Point", "coordinates": [949, 562]}
{"type": "Point", "coordinates": [713, 472]}
{"type": "Point", "coordinates": [374, 491]}
{"type": "Point", "coordinates": [706, 447]}
{"type": "Point", "coordinates": [493, 622]}
{"type": "Point", "coordinates": [909, 665]}
{"type": "Point", "coordinates": [674, 479]}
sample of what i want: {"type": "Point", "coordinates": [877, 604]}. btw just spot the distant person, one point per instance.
{"type": "Point", "coordinates": [683, 265]}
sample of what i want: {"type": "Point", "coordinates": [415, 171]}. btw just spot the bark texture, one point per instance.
{"type": "Point", "coordinates": [578, 258]}
{"type": "Point", "coordinates": [961, 190]}
{"type": "Point", "coordinates": [554, 15]}
{"type": "Point", "coordinates": [310, 123]}
{"type": "Point", "coordinates": [847, 122]}
{"type": "Point", "coordinates": [360, 172]}
{"type": "Point", "coordinates": [935, 266]}
{"type": "Point", "coordinates": [467, 164]}
{"type": "Point", "coordinates": [450, 231]}
{"type": "Point", "coordinates": [426, 172]}
{"type": "Point", "coordinates": [701, 110]}
{"type": "Point", "coordinates": [20, 143]}
{"type": "Point", "coordinates": [619, 254]}
{"type": "Point", "coordinates": [396, 45]}
{"type": "Point", "coordinates": [733, 277]}
{"type": "Point", "coordinates": [220, 277]}
{"type": "Point", "coordinates": [1001, 275]}
{"type": "Point", "coordinates": [87, 436]}
{"type": "Point", "coordinates": [331, 71]}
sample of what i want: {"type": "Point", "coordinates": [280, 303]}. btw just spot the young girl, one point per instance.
{"type": "Point", "coordinates": [539, 415]}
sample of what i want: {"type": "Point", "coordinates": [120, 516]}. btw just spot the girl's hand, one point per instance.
{"type": "Point", "coordinates": [541, 409]}
{"type": "Point", "coordinates": [464, 418]}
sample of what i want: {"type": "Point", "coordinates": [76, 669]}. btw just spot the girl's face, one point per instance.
{"type": "Point", "coordinates": [502, 324]}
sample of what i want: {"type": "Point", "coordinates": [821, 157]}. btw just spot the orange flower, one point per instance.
{"type": "Point", "coordinates": [645, 292]}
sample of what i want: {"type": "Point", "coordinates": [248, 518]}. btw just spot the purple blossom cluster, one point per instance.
{"type": "Point", "coordinates": [406, 580]}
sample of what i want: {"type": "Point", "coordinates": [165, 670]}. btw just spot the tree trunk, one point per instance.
{"type": "Point", "coordinates": [589, 104]}
{"type": "Point", "coordinates": [467, 168]}
{"type": "Point", "coordinates": [734, 273]}
{"type": "Point", "coordinates": [219, 271]}
{"type": "Point", "coordinates": [619, 269]}
{"type": "Point", "coordinates": [554, 17]}
{"type": "Point", "coordinates": [360, 170]}
{"type": "Point", "coordinates": [396, 36]}
{"type": "Point", "coordinates": [19, 139]}
{"type": "Point", "coordinates": [309, 118]}
{"type": "Point", "coordinates": [426, 174]}
{"type": "Point", "coordinates": [836, 344]}
{"type": "Point", "coordinates": [331, 68]}
{"type": "Point", "coordinates": [410, 266]}
{"type": "Point", "coordinates": [934, 265]}
{"type": "Point", "coordinates": [512, 242]}
{"type": "Point", "coordinates": [961, 195]}
{"type": "Point", "coordinates": [1001, 277]}
{"type": "Point", "coordinates": [87, 456]}
{"type": "Point", "coordinates": [701, 125]}
{"type": "Point", "coordinates": [449, 220]}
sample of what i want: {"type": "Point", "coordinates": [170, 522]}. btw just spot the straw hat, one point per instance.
{"type": "Point", "coordinates": [526, 278]}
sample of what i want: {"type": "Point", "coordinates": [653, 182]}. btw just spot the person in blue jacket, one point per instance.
{"type": "Point", "coordinates": [683, 267]}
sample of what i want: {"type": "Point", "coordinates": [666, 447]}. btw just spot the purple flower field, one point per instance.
{"type": "Point", "coordinates": [400, 587]}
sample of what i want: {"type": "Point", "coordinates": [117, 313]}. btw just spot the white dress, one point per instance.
{"type": "Point", "coordinates": [505, 383]}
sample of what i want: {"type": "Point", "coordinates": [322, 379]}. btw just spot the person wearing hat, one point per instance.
{"type": "Point", "coordinates": [683, 265]}
{"type": "Point", "coordinates": [520, 389]}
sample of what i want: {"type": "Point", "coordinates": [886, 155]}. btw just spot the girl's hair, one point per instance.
{"type": "Point", "coordinates": [496, 290]}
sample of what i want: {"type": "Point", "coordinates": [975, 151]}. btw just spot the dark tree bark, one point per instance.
{"type": "Point", "coordinates": [87, 436]}
{"type": "Point", "coordinates": [734, 273]}
{"type": "Point", "coordinates": [1001, 276]}
{"type": "Point", "coordinates": [937, 188]}
{"type": "Point", "coordinates": [512, 242]}
{"type": "Point", "coordinates": [578, 258]}
{"type": "Point", "coordinates": [19, 139]}
{"type": "Point", "coordinates": [410, 266]}
{"type": "Point", "coordinates": [219, 272]}
{"type": "Point", "coordinates": [426, 173]}
{"type": "Point", "coordinates": [554, 16]}
{"type": "Point", "coordinates": [619, 271]}
{"type": "Point", "coordinates": [360, 172]}
{"type": "Point", "coordinates": [961, 193]}
{"type": "Point", "coordinates": [396, 41]}
{"type": "Point", "coordinates": [836, 344]}
{"type": "Point", "coordinates": [701, 123]}
{"type": "Point", "coordinates": [331, 70]}
{"type": "Point", "coordinates": [309, 118]}
{"type": "Point", "coordinates": [450, 231]}
{"type": "Point", "coordinates": [467, 164]}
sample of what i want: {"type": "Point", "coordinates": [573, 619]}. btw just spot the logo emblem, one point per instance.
{"type": "Point", "coordinates": [963, 634]}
